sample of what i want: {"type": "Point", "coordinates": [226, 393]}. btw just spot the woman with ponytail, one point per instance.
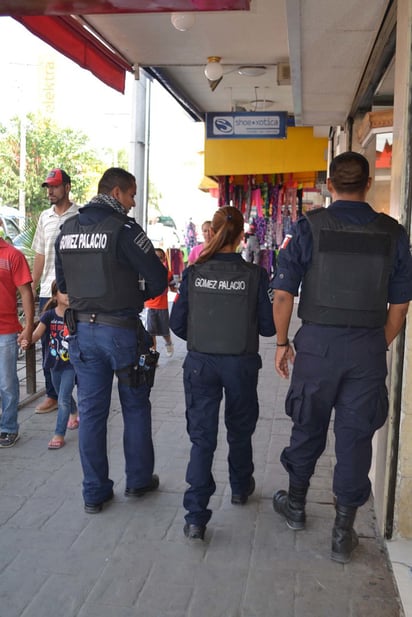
{"type": "Point", "coordinates": [221, 309]}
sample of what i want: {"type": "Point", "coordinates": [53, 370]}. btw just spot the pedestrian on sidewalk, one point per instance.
{"type": "Point", "coordinates": [101, 254]}
{"type": "Point", "coordinates": [355, 269]}
{"type": "Point", "coordinates": [56, 359]}
{"type": "Point", "coordinates": [198, 248]}
{"type": "Point", "coordinates": [58, 185]}
{"type": "Point", "coordinates": [157, 315]}
{"type": "Point", "coordinates": [222, 307]}
{"type": "Point", "coordinates": [15, 277]}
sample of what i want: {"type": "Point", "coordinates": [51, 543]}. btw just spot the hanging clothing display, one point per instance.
{"type": "Point", "coordinates": [271, 203]}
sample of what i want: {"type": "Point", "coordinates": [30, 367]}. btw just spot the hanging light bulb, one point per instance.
{"type": "Point", "coordinates": [182, 21]}
{"type": "Point", "coordinates": [213, 68]}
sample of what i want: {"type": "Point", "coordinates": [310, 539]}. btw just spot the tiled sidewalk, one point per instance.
{"type": "Point", "coordinates": [132, 560]}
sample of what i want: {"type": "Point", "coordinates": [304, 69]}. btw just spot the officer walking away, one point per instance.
{"type": "Point", "coordinates": [58, 186]}
{"type": "Point", "coordinates": [356, 273]}
{"type": "Point", "coordinates": [100, 256]}
{"type": "Point", "coordinates": [222, 307]}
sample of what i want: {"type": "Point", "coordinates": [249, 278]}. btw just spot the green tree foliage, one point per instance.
{"type": "Point", "coordinates": [47, 146]}
{"type": "Point", "coordinates": [122, 159]}
{"type": "Point", "coordinates": [154, 198]}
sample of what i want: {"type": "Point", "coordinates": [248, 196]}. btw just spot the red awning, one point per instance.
{"type": "Point", "coordinates": [70, 38]}
{"type": "Point", "coordinates": [89, 7]}
{"type": "Point", "coordinates": [53, 22]}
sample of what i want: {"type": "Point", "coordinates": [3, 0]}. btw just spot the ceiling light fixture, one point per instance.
{"type": "Point", "coordinates": [213, 68]}
{"type": "Point", "coordinates": [261, 104]}
{"type": "Point", "coordinates": [182, 21]}
{"type": "Point", "coordinates": [251, 71]}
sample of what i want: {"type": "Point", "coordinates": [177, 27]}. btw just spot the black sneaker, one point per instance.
{"type": "Point", "coordinates": [7, 440]}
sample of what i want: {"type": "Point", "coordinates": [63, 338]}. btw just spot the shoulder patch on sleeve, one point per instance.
{"type": "Point", "coordinates": [143, 242]}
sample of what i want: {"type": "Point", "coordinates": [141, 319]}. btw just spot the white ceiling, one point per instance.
{"type": "Point", "coordinates": [326, 42]}
{"type": "Point", "coordinates": [337, 38]}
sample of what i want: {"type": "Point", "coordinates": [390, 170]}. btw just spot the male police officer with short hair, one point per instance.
{"type": "Point", "coordinates": [100, 256]}
{"type": "Point", "coordinates": [356, 273]}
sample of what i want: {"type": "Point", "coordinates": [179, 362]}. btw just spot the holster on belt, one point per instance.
{"type": "Point", "coordinates": [143, 370]}
{"type": "Point", "coordinates": [70, 320]}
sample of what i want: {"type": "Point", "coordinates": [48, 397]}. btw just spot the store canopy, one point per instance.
{"type": "Point", "coordinates": [72, 39]}
{"type": "Point", "coordinates": [56, 24]}
{"type": "Point", "coordinates": [89, 7]}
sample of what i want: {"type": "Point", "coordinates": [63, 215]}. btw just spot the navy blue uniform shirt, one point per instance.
{"type": "Point", "coordinates": [180, 309]}
{"type": "Point", "coordinates": [295, 258]}
{"type": "Point", "coordinates": [134, 250]}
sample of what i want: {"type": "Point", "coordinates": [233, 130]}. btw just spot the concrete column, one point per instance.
{"type": "Point", "coordinates": [139, 146]}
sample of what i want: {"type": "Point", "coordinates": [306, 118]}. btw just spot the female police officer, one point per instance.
{"type": "Point", "coordinates": [222, 307]}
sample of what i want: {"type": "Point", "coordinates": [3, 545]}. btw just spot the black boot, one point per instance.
{"type": "Point", "coordinates": [344, 537]}
{"type": "Point", "coordinates": [292, 506]}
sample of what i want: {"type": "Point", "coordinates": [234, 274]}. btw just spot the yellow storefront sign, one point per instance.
{"type": "Point", "coordinates": [299, 152]}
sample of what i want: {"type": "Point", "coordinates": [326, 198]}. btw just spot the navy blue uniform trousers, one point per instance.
{"type": "Point", "coordinates": [345, 369]}
{"type": "Point", "coordinates": [205, 378]}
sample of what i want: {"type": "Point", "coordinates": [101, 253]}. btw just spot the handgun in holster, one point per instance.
{"type": "Point", "coordinates": [142, 372]}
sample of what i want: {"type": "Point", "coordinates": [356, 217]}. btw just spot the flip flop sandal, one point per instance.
{"type": "Point", "coordinates": [72, 424]}
{"type": "Point", "coordinates": [55, 444]}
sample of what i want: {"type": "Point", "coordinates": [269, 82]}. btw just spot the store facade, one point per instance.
{"type": "Point", "coordinates": [273, 181]}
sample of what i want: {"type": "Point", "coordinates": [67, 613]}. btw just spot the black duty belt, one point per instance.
{"type": "Point", "coordinates": [107, 320]}
{"type": "Point", "coordinates": [329, 325]}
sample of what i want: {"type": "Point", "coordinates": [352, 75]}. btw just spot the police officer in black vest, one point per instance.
{"type": "Point", "coordinates": [222, 307]}
{"type": "Point", "coordinates": [356, 274]}
{"type": "Point", "coordinates": [102, 255]}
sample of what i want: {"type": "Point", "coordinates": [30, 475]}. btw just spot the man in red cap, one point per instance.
{"type": "Point", "coordinates": [61, 208]}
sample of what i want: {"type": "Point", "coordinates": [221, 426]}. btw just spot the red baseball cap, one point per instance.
{"type": "Point", "coordinates": [55, 177]}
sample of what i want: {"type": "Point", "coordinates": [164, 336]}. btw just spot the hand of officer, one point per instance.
{"type": "Point", "coordinates": [283, 356]}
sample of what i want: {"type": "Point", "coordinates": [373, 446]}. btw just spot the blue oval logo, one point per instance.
{"type": "Point", "coordinates": [224, 126]}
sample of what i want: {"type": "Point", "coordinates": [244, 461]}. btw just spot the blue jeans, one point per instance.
{"type": "Point", "coordinates": [96, 351]}
{"type": "Point", "coordinates": [9, 383]}
{"type": "Point", "coordinates": [63, 382]}
{"type": "Point", "coordinates": [48, 382]}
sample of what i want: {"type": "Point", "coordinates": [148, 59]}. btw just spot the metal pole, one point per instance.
{"type": "Point", "coordinates": [22, 167]}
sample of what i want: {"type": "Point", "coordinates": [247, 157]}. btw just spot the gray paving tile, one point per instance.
{"type": "Point", "coordinates": [132, 560]}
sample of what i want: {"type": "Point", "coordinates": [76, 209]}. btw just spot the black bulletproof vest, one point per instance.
{"type": "Point", "coordinates": [223, 297]}
{"type": "Point", "coordinates": [95, 279]}
{"type": "Point", "coordinates": [347, 282]}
